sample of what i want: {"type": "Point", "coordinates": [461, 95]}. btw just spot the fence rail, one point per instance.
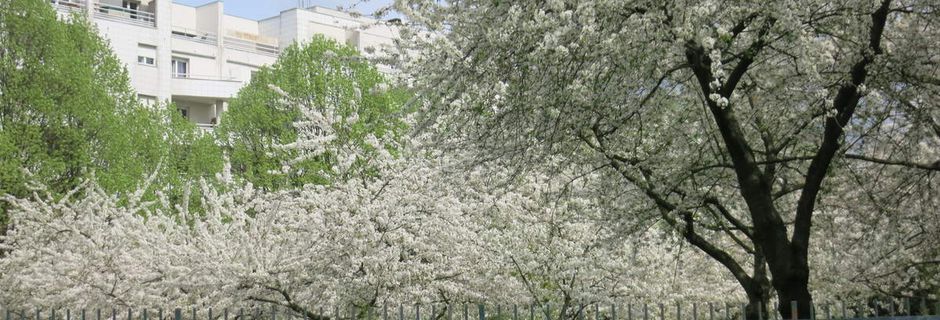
{"type": "Point", "coordinates": [195, 35]}
{"type": "Point", "coordinates": [68, 5]}
{"type": "Point", "coordinates": [251, 46]}
{"type": "Point", "coordinates": [895, 310]}
{"type": "Point", "coordinates": [126, 15]}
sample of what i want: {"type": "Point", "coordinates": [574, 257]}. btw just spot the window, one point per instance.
{"type": "Point", "coordinates": [146, 61]}
{"type": "Point", "coordinates": [146, 100]}
{"type": "Point", "coordinates": [146, 54]}
{"type": "Point", "coordinates": [131, 7]}
{"type": "Point", "coordinates": [184, 113]}
{"type": "Point", "coordinates": [180, 68]}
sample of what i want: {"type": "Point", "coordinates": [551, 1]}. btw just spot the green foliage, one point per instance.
{"type": "Point", "coordinates": [67, 111]}
{"type": "Point", "coordinates": [320, 73]}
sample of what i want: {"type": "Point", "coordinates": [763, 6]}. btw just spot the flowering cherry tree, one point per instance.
{"type": "Point", "coordinates": [736, 122]}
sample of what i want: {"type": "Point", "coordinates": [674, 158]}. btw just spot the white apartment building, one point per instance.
{"type": "Point", "coordinates": [199, 57]}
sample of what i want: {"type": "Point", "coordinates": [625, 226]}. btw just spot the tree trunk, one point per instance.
{"type": "Point", "coordinates": [793, 295]}
{"type": "Point", "coordinates": [756, 308]}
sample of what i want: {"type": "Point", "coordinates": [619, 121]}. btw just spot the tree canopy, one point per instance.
{"type": "Point", "coordinates": [740, 124]}
{"type": "Point", "coordinates": [68, 112]}
{"type": "Point", "coordinates": [328, 78]}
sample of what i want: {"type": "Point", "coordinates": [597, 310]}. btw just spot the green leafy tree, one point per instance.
{"type": "Point", "coordinates": [323, 76]}
{"type": "Point", "coordinates": [67, 112]}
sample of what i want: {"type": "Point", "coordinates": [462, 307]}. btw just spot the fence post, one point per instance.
{"type": "Point", "coordinates": [694, 310]}
{"type": "Point", "coordinates": [159, 314]}
{"type": "Point", "coordinates": [744, 311]}
{"type": "Point", "coordinates": [450, 311]}
{"type": "Point", "coordinates": [678, 310]}
{"type": "Point", "coordinates": [662, 311]}
{"type": "Point", "coordinates": [401, 312]}
{"type": "Point", "coordinates": [613, 311]}
{"type": "Point", "coordinates": [481, 312]}
{"type": "Point", "coordinates": [177, 314]}
{"type": "Point", "coordinates": [711, 311]}
{"type": "Point", "coordinates": [193, 313]}
{"type": "Point", "coordinates": [130, 313]}
{"type": "Point", "coordinates": [466, 312]}
{"type": "Point", "coordinates": [83, 315]}
{"type": "Point", "coordinates": [629, 310]}
{"type": "Point", "coordinates": [515, 312]}
{"type": "Point", "coordinates": [793, 310]}
{"type": "Point", "coordinates": [417, 311]}
{"type": "Point", "coordinates": [597, 311]}
{"type": "Point", "coordinates": [812, 309]}
{"type": "Point", "coordinates": [646, 312]}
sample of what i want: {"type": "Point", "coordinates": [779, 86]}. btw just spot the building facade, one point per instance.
{"type": "Point", "coordinates": [199, 57]}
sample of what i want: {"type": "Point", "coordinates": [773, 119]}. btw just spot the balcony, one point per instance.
{"type": "Point", "coordinates": [195, 35]}
{"type": "Point", "coordinates": [205, 127]}
{"type": "Point", "coordinates": [126, 15]}
{"type": "Point", "coordinates": [68, 6]}
{"type": "Point", "coordinates": [197, 86]}
{"type": "Point", "coordinates": [240, 44]}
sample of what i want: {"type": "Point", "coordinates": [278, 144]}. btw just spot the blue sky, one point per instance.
{"type": "Point", "coordinates": [260, 9]}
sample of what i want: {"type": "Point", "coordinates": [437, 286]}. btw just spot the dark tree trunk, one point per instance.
{"type": "Point", "coordinates": [794, 296]}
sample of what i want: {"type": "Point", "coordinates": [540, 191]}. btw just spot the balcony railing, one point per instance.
{"type": "Point", "coordinates": [251, 46]}
{"type": "Point", "coordinates": [195, 35]}
{"type": "Point", "coordinates": [68, 5]}
{"type": "Point", "coordinates": [121, 14]}
{"type": "Point", "coordinates": [203, 77]}
{"type": "Point", "coordinates": [205, 127]}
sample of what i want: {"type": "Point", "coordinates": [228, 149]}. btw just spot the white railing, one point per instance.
{"type": "Point", "coordinates": [195, 35]}
{"type": "Point", "coordinates": [205, 127]}
{"type": "Point", "coordinates": [137, 17]}
{"type": "Point", "coordinates": [203, 77]}
{"type": "Point", "coordinates": [68, 5]}
{"type": "Point", "coordinates": [251, 46]}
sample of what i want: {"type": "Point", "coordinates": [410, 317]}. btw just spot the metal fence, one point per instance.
{"type": "Point", "coordinates": [893, 310]}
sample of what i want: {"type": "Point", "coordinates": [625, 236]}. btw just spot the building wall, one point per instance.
{"type": "Point", "coordinates": [217, 69]}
